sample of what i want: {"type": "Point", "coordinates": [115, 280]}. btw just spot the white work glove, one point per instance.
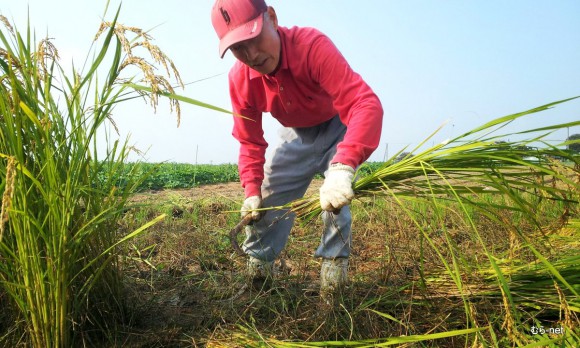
{"type": "Point", "coordinates": [252, 203]}
{"type": "Point", "coordinates": [336, 191]}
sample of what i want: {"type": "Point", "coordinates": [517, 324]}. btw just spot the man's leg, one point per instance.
{"type": "Point", "coordinates": [335, 243]}
{"type": "Point", "coordinates": [336, 237]}
{"type": "Point", "coordinates": [287, 176]}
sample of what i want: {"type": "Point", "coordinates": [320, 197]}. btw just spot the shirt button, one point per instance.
{"type": "Point", "coordinates": [281, 88]}
{"type": "Point", "coordinates": [288, 103]}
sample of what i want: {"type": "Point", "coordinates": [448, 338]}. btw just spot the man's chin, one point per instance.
{"type": "Point", "coordinates": [262, 70]}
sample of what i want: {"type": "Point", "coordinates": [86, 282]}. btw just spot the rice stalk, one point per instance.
{"type": "Point", "coordinates": [472, 165]}
{"type": "Point", "coordinates": [61, 200]}
{"type": "Point", "coordinates": [249, 337]}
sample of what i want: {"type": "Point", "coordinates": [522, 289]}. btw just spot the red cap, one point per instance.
{"type": "Point", "coordinates": [237, 20]}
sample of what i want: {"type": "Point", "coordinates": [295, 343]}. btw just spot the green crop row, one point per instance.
{"type": "Point", "coordinates": [175, 175]}
{"type": "Point", "coordinates": [183, 175]}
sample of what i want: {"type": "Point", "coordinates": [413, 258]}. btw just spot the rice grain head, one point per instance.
{"type": "Point", "coordinates": [46, 52]}
{"type": "Point", "coordinates": [6, 23]}
{"type": "Point", "coordinates": [567, 317]}
{"type": "Point", "coordinates": [157, 83]}
{"type": "Point", "coordinates": [8, 193]}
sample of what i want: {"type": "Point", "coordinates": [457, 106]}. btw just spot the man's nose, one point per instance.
{"type": "Point", "coordinates": [252, 52]}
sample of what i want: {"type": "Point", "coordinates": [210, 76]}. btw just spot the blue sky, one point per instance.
{"type": "Point", "coordinates": [464, 62]}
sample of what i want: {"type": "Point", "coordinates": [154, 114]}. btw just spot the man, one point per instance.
{"type": "Point", "coordinates": [331, 124]}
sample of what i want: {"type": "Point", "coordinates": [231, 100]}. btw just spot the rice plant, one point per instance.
{"type": "Point", "coordinates": [59, 239]}
{"type": "Point", "coordinates": [475, 176]}
{"type": "Point", "coordinates": [473, 163]}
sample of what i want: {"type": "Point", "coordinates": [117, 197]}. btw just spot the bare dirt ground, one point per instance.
{"type": "Point", "coordinates": [230, 191]}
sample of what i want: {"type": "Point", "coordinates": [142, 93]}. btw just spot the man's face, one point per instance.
{"type": "Point", "coordinates": [261, 53]}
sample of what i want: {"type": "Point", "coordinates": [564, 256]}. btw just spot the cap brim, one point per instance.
{"type": "Point", "coordinates": [244, 32]}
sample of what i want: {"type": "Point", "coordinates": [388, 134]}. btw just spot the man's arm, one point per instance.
{"type": "Point", "coordinates": [248, 131]}
{"type": "Point", "coordinates": [359, 109]}
{"type": "Point", "coordinates": [358, 106]}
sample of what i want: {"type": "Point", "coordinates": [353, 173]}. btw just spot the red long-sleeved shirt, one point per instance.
{"type": "Point", "coordinates": [313, 84]}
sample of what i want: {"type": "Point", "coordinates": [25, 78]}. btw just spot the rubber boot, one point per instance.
{"type": "Point", "coordinates": [260, 273]}
{"type": "Point", "coordinates": [333, 278]}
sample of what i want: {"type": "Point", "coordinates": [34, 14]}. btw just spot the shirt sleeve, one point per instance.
{"type": "Point", "coordinates": [248, 131]}
{"type": "Point", "coordinates": [358, 106]}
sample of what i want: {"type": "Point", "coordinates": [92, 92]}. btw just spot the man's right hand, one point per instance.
{"type": "Point", "coordinates": [249, 207]}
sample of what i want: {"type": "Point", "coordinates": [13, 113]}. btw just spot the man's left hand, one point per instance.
{"type": "Point", "coordinates": [336, 191]}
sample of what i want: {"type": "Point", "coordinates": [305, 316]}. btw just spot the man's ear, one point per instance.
{"type": "Point", "coordinates": [273, 17]}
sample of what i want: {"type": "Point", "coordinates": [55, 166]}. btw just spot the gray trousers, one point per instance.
{"type": "Point", "coordinates": [301, 154]}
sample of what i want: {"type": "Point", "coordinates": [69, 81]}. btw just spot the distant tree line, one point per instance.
{"type": "Point", "coordinates": [574, 143]}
